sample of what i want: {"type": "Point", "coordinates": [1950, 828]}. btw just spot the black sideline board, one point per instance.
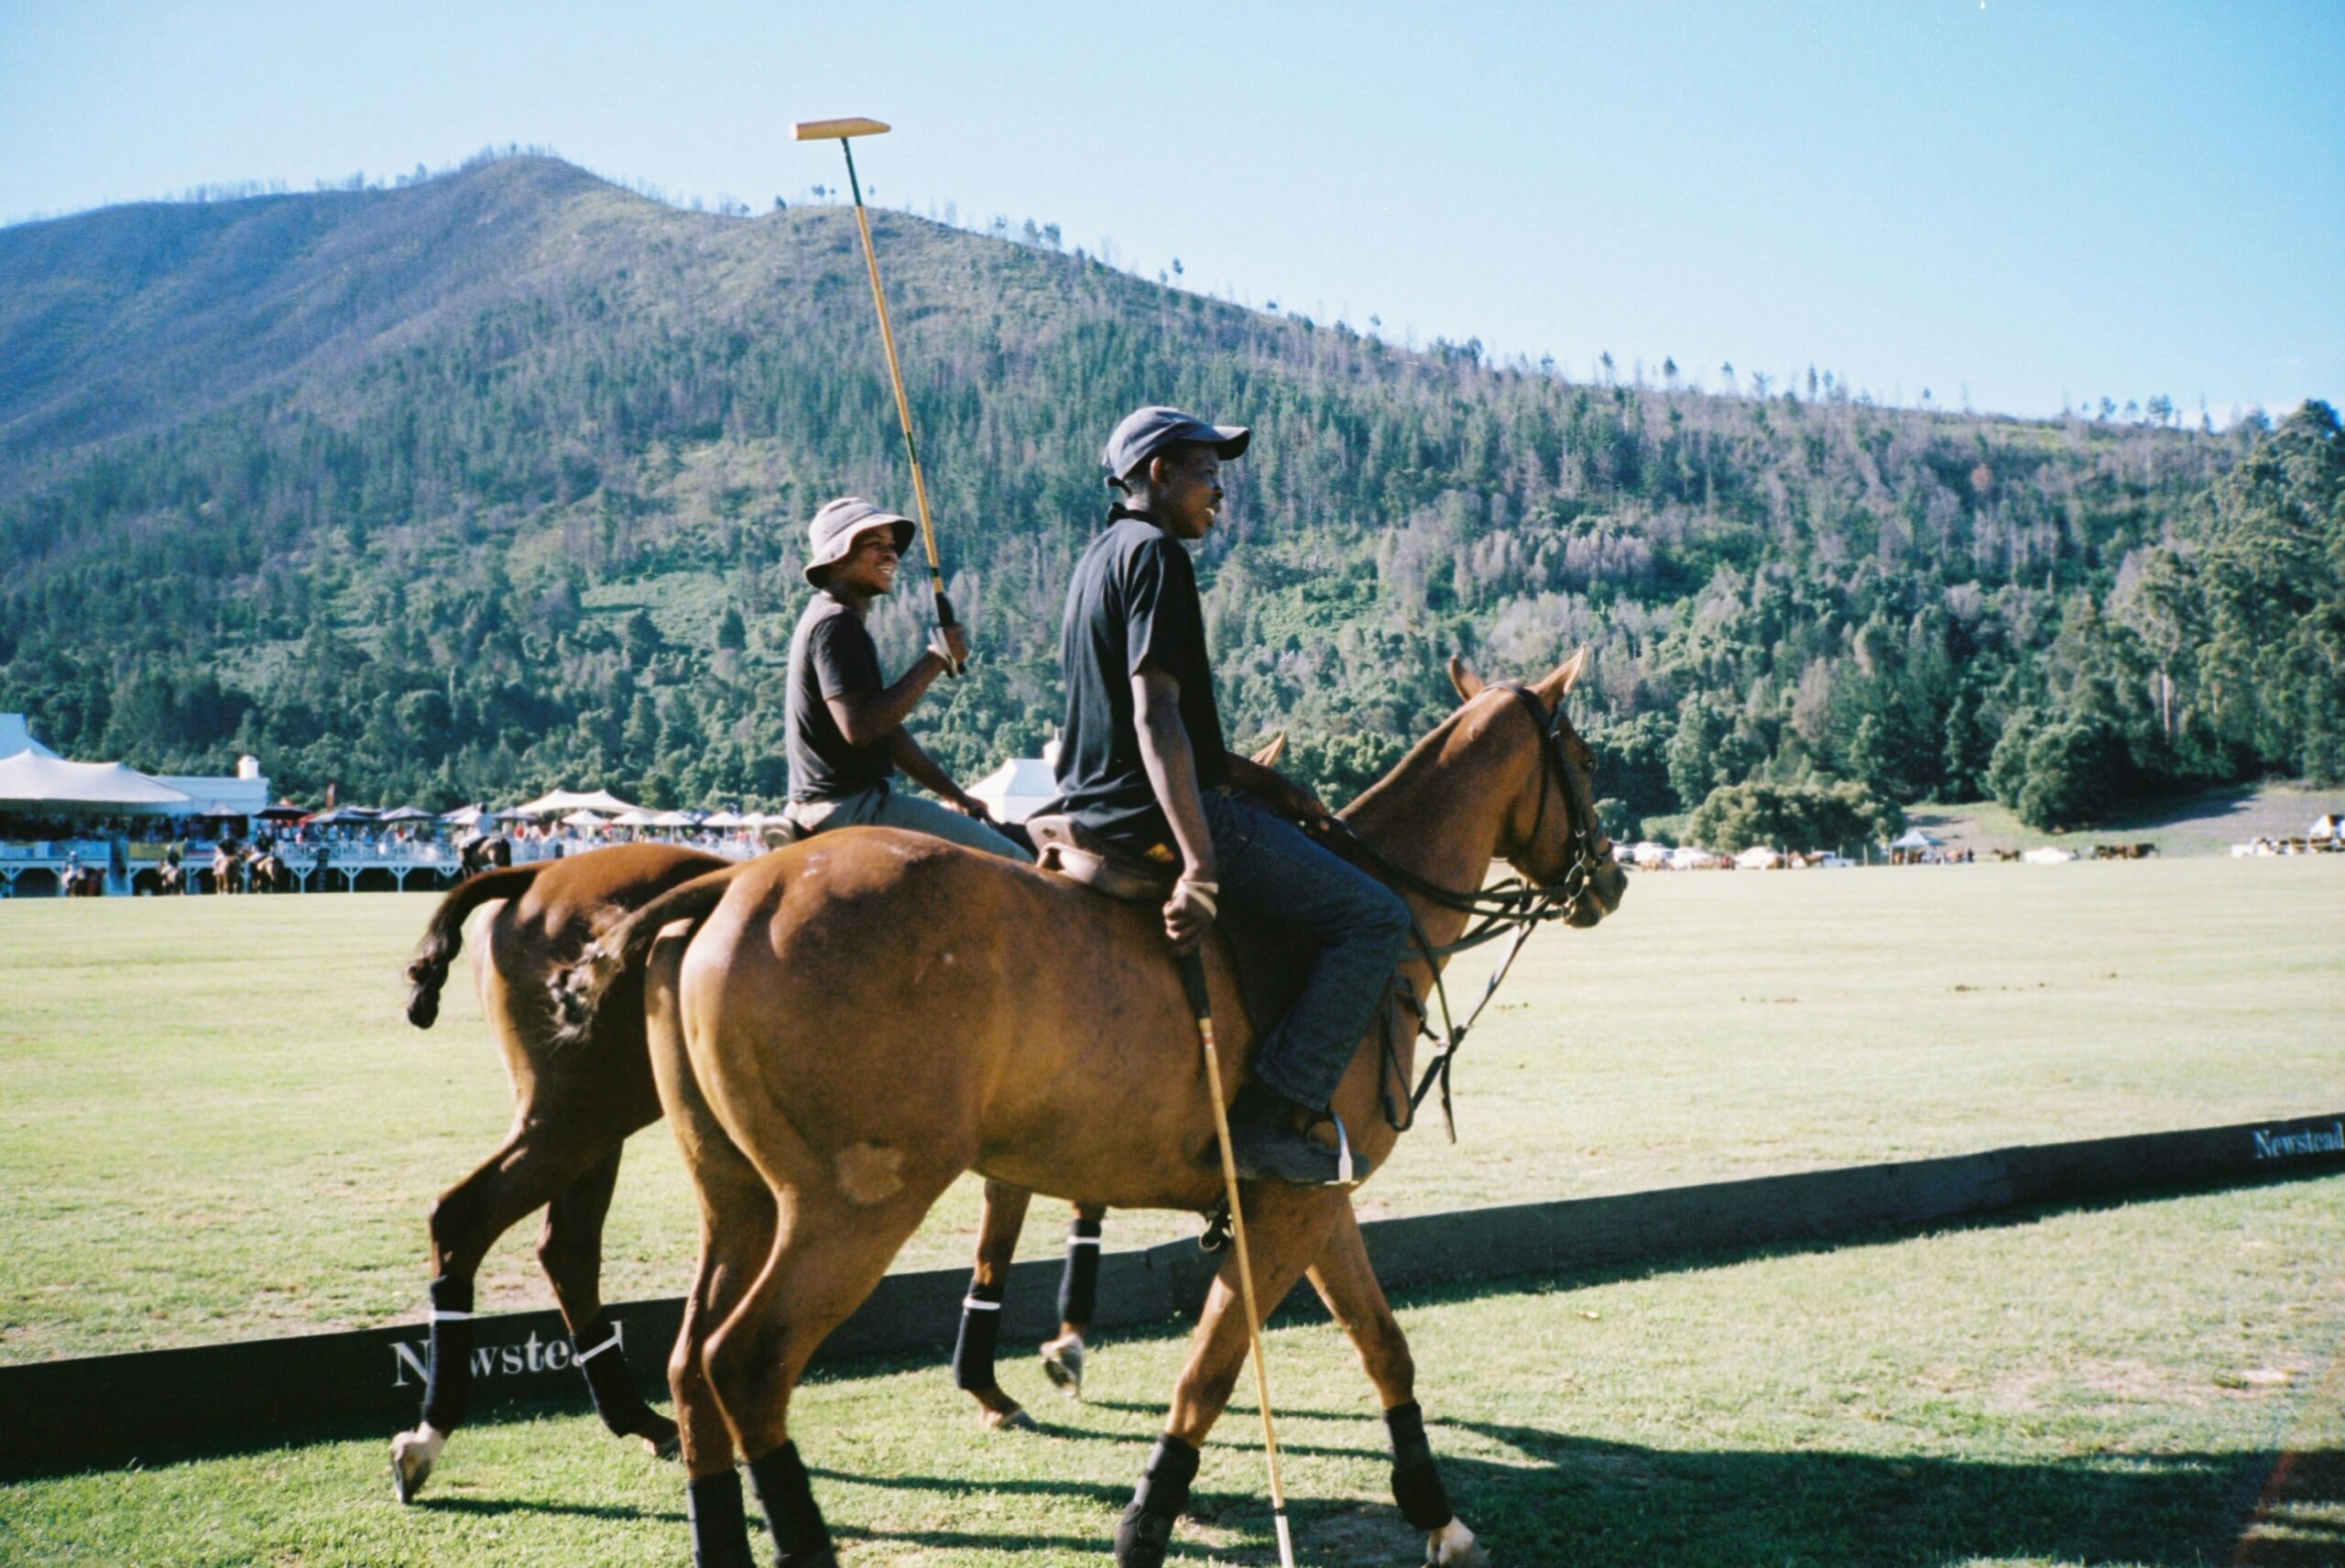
{"type": "Point", "coordinates": [111, 1410]}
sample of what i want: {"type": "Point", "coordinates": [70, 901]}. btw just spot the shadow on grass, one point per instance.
{"type": "Point", "coordinates": [1566, 1499]}
{"type": "Point", "coordinates": [624, 1512]}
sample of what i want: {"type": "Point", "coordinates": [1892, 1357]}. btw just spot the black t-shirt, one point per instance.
{"type": "Point", "coordinates": [830, 655]}
{"type": "Point", "coordinates": [1133, 601]}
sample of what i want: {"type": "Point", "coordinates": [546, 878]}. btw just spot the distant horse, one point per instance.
{"type": "Point", "coordinates": [84, 882]}
{"type": "Point", "coordinates": [1007, 1020]}
{"type": "Point", "coordinates": [170, 881]}
{"type": "Point", "coordinates": [227, 870]}
{"type": "Point", "coordinates": [485, 851]}
{"type": "Point", "coordinates": [269, 874]}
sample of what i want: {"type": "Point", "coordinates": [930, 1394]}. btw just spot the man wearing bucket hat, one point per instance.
{"type": "Point", "coordinates": [1142, 765]}
{"type": "Point", "coordinates": [845, 724]}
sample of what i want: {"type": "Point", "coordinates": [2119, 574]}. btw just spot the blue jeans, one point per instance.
{"type": "Point", "coordinates": [1269, 864]}
{"type": "Point", "coordinates": [885, 806]}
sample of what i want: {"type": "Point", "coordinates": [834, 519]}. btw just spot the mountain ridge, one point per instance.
{"type": "Point", "coordinates": [357, 480]}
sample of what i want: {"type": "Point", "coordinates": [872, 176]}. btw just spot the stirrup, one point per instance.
{"type": "Point", "coordinates": [1345, 1167]}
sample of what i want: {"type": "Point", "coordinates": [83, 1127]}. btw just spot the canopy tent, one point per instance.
{"type": "Point", "coordinates": [637, 818]}
{"type": "Point", "coordinates": [675, 819]}
{"type": "Point", "coordinates": [343, 816]}
{"type": "Point", "coordinates": [466, 816]}
{"type": "Point", "coordinates": [33, 781]}
{"type": "Point", "coordinates": [584, 820]}
{"type": "Point", "coordinates": [1017, 788]}
{"type": "Point", "coordinates": [1914, 839]}
{"type": "Point", "coordinates": [725, 820]}
{"type": "Point", "coordinates": [405, 814]}
{"type": "Point", "coordinates": [16, 735]}
{"type": "Point", "coordinates": [561, 801]}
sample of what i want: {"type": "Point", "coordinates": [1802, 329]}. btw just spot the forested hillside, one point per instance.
{"type": "Point", "coordinates": [499, 481]}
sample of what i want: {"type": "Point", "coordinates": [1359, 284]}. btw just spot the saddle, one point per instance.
{"type": "Point", "coordinates": [1271, 956]}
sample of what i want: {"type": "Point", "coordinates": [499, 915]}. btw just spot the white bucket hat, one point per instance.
{"type": "Point", "coordinates": [832, 535]}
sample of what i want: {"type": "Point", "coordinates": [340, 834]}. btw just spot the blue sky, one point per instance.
{"type": "Point", "coordinates": [2014, 202]}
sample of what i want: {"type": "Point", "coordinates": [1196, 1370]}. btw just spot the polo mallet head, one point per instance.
{"type": "Point", "coordinates": [836, 130]}
{"type": "Point", "coordinates": [844, 130]}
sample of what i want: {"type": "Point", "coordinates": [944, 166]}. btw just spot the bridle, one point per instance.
{"type": "Point", "coordinates": [1515, 906]}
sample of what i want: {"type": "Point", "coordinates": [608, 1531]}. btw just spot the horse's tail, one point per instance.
{"type": "Point", "coordinates": [580, 989]}
{"type": "Point", "coordinates": [444, 937]}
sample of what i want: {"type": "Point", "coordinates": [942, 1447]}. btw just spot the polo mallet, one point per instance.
{"type": "Point", "coordinates": [1193, 980]}
{"type": "Point", "coordinates": [845, 130]}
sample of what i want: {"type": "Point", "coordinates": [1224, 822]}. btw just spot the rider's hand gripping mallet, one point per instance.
{"type": "Point", "coordinates": [822, 130]}
{"type": "Point", "coordinates": [1192, 979]}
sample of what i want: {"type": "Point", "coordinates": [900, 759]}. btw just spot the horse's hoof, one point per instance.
{"type": "Point", "coordinates": [1062, 1365]}
{"type": "Point", "coordinates": [659, 1436]}
{"type": "Point", "coordinates": [411, 1456]}
{"type": "Point", "coordinates": [1454, 1546]}
{"type": "Point", "coordinates": [1014, 1419]}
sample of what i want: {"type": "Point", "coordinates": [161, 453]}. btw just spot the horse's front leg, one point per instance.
{"type": "Point", "coordinates": [1285, 1228]}
{"type": "Point", "coordinates": [1347, 1283]}
{"type": "Point", "coordinates": [1078, 1300]}
{"type": "Point", "coordinates": [973, 1348]}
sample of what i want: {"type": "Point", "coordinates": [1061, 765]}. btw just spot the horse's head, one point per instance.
{"type": "Point", "coordinates": [1553, 836]}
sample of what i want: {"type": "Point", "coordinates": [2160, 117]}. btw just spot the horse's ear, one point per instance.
{"type": "Point", "coordinates": [1558, 685]}
{"type": "Point", "coordinates": [1269, 751]}
{"type": "Point", "coordinates": [1469, 684]}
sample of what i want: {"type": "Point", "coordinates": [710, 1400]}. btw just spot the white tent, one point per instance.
{"type": "Point", "coordinates": [675, 819]}
{"type": "Point", "coordinates": [16, 735]}
{"type": "Point", "coordinates": [1017, 788]}
{"type": "Point", "coordinates": [637, 818]}
{"type": "Point", "coordinates": [575, 801]}
{"type": "Point", "coordinates": [1759, 858]}
{"type": "Point", "coordinates": [37, 781]}
{"type": "Point", "coordinates": [583, 820]}
{"type": "Point", "coordinates": [725, 820]}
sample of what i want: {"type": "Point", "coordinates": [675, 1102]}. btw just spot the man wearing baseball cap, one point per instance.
{"type": "Point", "coordinates": [847, 725]}
{"type": "Point", "coordinates": [1142, 765]}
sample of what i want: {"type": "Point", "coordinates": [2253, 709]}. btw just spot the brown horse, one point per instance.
{"type": "Point", "coordinates": [854, 1020]}
{"type": "Point", "coordinates": [574, 1107]}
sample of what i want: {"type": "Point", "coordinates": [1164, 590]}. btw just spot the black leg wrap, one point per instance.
{"type": "Point", "coordinates": [1146, 1528]}
{"type": "Point", "coordinates": [720, 1527]}
{"type": "Point", "coordinates": [601, 1357]}
{"type": "Point", "coordinates": [788, 1504]}
{"type": "Point", "coordinates": [1416, 1481]}
{"type": "Point", "coordinates": [972, 1347]}
{"type": "Point", "coordinates": [1079, 1286]}
{"type": "Point", "coordinates": [448, 1390]}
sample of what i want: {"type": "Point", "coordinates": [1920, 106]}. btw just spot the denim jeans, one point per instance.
{"type": "Point", "coordinates": [885, 806]}
{"type": "Point", "coordinates": [1268, 863]}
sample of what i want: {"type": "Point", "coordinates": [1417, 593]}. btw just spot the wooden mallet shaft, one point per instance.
{"type": "Point", "coordinates": [1193, 980]}
{"type": "Point", "coordinates": [844, 129]}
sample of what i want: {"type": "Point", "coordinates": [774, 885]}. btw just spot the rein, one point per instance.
{"type": "Point", "coordinates": [1516, 906]}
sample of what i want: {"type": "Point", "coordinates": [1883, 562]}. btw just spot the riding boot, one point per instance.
{"type": "Point", "coordinates": [1267, 1144]}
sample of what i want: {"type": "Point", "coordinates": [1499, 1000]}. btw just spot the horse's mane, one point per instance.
{"type": "Point", "coordinates": [1415, 759]}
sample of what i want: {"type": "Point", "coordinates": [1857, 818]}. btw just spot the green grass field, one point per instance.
{"type": "Point", "coordinates": [2104, 1386]}
{"type": "Point", "coordinates": [215, 1123]}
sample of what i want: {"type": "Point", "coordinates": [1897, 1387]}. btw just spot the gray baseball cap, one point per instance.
{"type": "Point", "coordinates": [832, 535]}
{"type": "Point", "coordinates": [1147, 431]}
